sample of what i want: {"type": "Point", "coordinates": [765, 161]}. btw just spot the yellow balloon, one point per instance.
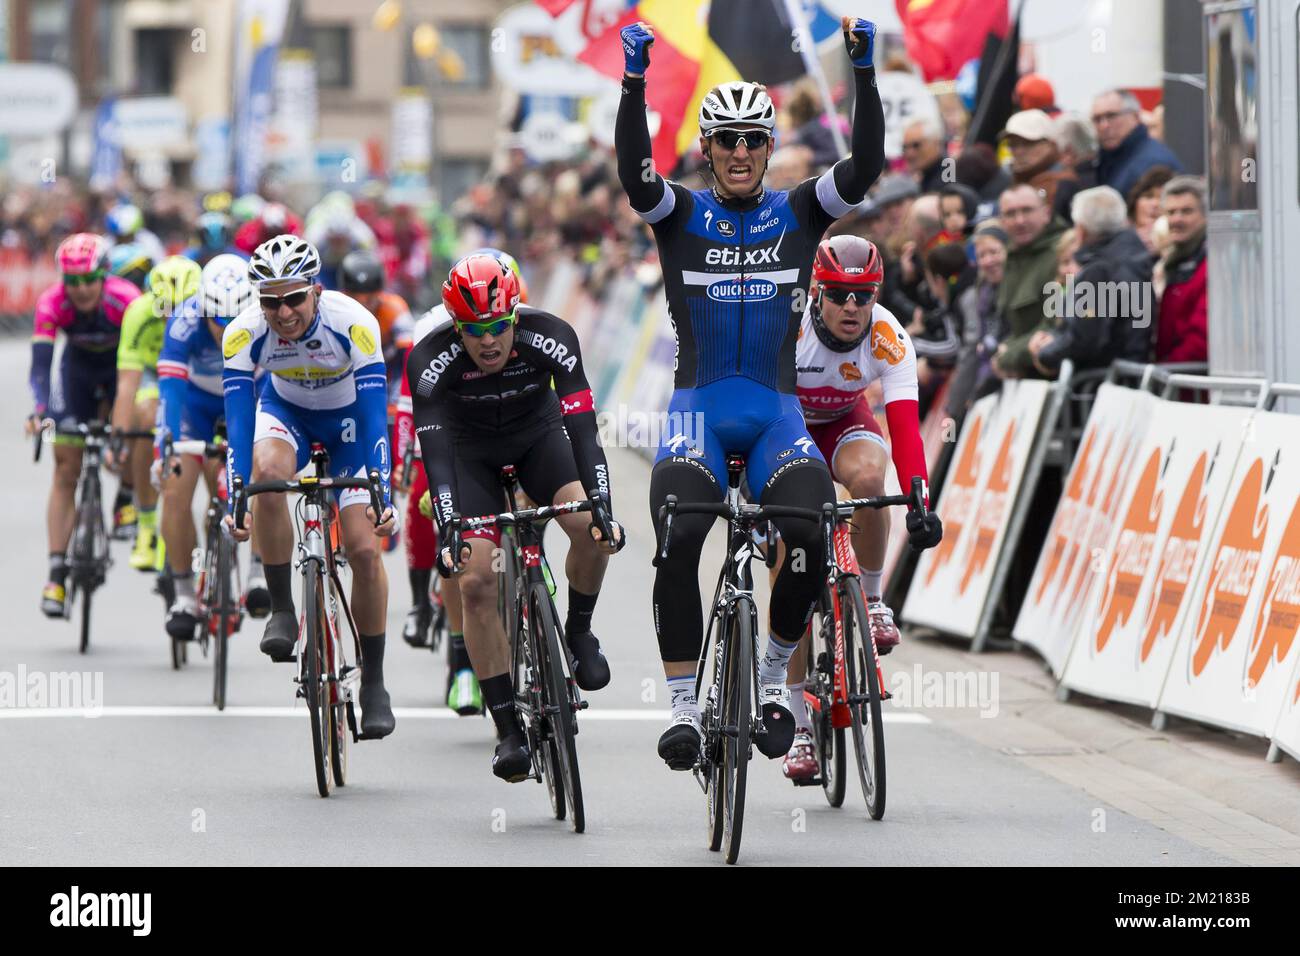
{"type": "Point", "coordinates": [425, 41]}
{"type": "Point", "coordinates": [386, 15]}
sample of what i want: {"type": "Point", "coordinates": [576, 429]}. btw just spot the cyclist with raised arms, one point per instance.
{"type": "Point", "coordinates": [87, 306]}
{"type": "Point", "coordinates": [482, 400]}
{"type": "Point", "coordinates": [736, 261]}
{"type": "Point", "coordinates": [847, 340]}
{"type": "Point", "coordinates": [190, 370]}
{"type": "Point", "coordinates": [327, 384]}
{"type": "Point", "coordinates": [167, 287]}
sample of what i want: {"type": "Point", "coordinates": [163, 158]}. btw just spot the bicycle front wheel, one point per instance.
{"type": "Point", "coordinates": [318, 697]}
{"type": "Point", "coordinates": [863, 679]}
{"type": "Point", "coordinates": [737, 723]}
{"type": "Point", "coordinates": [558, 699]}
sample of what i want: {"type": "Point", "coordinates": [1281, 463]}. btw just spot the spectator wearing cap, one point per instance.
{"type": "Point", "coordinates": [1031, 267]}
{"type": "Point", "coordinates": [1077, 142]}
{"type": "Point", "coordinates": [1109, 315]}
{"type": "Point", "coordinates": [1144, 203]}
{"type": "Point", "coordinates": [1035, 160]}
{"type": "Point", "coordinates": [1127, 148]}
{"type": "Point", "coordinates": [1034, 92]}
{"type": "Point", "coordinates": [1181, 331]}
{"type": "Point", "coordinates": [924, 153]}
{"type": "Point", "coordinates": [980, 321]}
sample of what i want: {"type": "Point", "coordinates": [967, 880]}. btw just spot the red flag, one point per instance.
{"type": "Point", "coordinates": [942, 35]}
{"type": "Point", "coordinates": [555, 7]}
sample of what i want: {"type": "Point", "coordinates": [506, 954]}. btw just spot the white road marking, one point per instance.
{"type": "Point", "coordinates": [410, 713]}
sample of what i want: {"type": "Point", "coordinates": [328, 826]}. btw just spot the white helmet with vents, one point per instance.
{"type": "Point", "coordinates": [225, 289]}
{"type": "Point", "coordinates": [283, 258]}
{"type": "Point", "coordinates": [737, 102]}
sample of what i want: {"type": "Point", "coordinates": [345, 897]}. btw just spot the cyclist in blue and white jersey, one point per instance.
{"type": "Point", "coordinates": [327, 384]}
{"type": "Point", "coordinates": [737, 259]}
{"type": "Point", "coordinates": [191, 401]}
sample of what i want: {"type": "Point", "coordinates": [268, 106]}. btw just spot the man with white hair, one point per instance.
{"type": "Point", "coordinates": [1074, 138]}
{"type": "Point", "coordinates": [1127, 149]}
{"type": "Point", "coordinates": [923, 150]}
{"type": "Point", "coordinates": [1106, 312]}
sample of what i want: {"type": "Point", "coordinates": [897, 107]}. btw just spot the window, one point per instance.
{"type": "Point", "coordinates": [457, 176]}
{"type": "Point", "coordinates": [154, 62]}
{"type": "Point", "coordinates": [51, 39]}
{"type": "Point", "coordinates": [469, 43]}
{"type": "Point", "coordinates": [332, 46]}
{"type": "Point", "coordinates": [1232, 94]}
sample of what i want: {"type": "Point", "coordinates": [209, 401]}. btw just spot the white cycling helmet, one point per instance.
{"type": "Point", "coordinates": [224, 287]}
{"type": "Point", "coordinates": [281, 259]}
{"type": "Point", "coordinates": [737, 102]}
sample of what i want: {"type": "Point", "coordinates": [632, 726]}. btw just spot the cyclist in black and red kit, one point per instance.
{"type": "Point", "coordinates": [482, 399]}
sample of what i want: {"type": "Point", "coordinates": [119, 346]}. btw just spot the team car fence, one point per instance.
{"type": "Point", "coordinates": [1169, 576]}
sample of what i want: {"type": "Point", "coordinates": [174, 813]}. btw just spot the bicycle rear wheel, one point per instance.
{"type": "Point", "coordinates": [737, 714]}
{"type": "Point", "coordinates": [862, 677]}
{"type": "Point", "coordinates": [318, 706]}
{"type": "Point", "coordinates": [560, 711]}
{"type": "Point", "coordinates": [828, 738]}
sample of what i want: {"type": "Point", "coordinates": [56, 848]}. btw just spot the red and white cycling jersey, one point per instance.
{"type": "Point", "coordinates": [830, 382]}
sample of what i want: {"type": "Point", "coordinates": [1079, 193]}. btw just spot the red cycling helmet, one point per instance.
{"type": "Point", "coordinates": [848, 261]}
{"type": "Point", "coordinates": [845, 262]}
{"type": "Point", "coordinates": [480, 288]}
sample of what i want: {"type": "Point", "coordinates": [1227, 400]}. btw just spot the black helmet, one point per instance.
{"type": "Point", "coordinates": [361, 271]}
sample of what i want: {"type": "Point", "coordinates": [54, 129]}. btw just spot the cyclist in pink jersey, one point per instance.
{"type": "Point", "coordinates": [87, 307]}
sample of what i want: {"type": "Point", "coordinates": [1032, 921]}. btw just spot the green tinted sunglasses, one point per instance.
{"type": "Point", "coordinates": [88, 279]}
{"type": "Point", "coordinates": [494, 328]}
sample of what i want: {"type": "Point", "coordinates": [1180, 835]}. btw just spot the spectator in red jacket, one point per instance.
{"type": "Point", "coordinates": [274, 220]}
{"type": "Point", "coordinates": [1181, 333]}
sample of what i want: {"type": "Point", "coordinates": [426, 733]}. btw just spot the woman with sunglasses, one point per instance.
{"type": "Point", "coordinates": [87, 306]}
{"type": "Point", "coordinates": [736, 262]}
{"type": "Point", "coordinates": [847, 340]}
{"type": "Point", "coordinates": [326, 384]}
{"type": "Point", "coordinates": [481, 400]}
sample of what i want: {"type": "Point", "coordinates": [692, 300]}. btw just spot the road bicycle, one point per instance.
{"type": "Point", "coordinates": [218, 589]}
{"type": "Point", "coordinates": [547, 698]}
{"type": "Point", "coordinates": [730, 645]}
{"type": "Point", "coordinates": [844, 688]}
{"type": "Point", "coordinates": [88, 553]}
{"type": "Point", "coordinates": [326, 681]}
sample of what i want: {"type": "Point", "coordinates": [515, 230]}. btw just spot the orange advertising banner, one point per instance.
{"type": "Point", "coordinates": [1073, 552]}
{"type": "Point", "coordinates": [1184, 469]}
{"type": "Point", "coordinates": [952, 581]}
{"type": "Point", "coordinates": [1237, 646]}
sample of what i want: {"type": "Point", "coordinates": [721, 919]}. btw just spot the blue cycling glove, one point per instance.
{"type": "Point", "coordinates": [636, 48]}
{"type": "Point", "coordinates": [860, 39]}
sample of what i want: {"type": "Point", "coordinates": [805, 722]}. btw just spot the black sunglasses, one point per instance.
{"type": "Point", "coordinates": [731, 138]}
{"type": "Point", "coordinates": [842, 296]}
{"type": "Point", "coordinates": [272, 303]}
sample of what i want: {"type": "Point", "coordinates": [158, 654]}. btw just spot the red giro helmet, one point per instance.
{"type": "Point", "coordinates": [479, 289]}
{"type": "Point", "coordinates": [848, 261]}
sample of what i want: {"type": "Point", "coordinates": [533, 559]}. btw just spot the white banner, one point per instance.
{"type": "Point", "coordinates": [412, 131]}
{"type": "Point", "coordinates": [1287, 732]}
{"type": "Point", "coordinates": [533, 53]}
{"type": "Point", "coordinates": [1237, 645]}
{"type": "Point", "coordinates": [951, 584]}
{"type": "Point", "coordinates": [1053, 606]}
{"type": "Point", "coordinates": [36, 99]}
{"type": "Point", "coordinates": [1185, 466]}
{"type": "Point", "coordinates": [905, 100]}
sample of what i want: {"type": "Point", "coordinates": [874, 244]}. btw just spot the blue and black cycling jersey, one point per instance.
{"type": "Point", "coordinates": [736, 272]}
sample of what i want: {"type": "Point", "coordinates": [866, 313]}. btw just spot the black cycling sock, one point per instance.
{"type": "Point", "coordinates": [279, 581]}
{"type": "Point", "coordinates": [420, 578]}
{"type": "Point", "coordinates": [58, 567]}
{"type": "Point", "coordinates": [372, 658]}
{"type": "Point", "coordinates": [499, 696]}
{"type": "Point", "coordinates": [581, 606]}
{"type": "Point", "coordinates": [459, 655]}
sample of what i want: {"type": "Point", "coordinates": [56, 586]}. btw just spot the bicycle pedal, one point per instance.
{"type": "Point", "coordinates": [291, 659]}
{"type": "Point", "coordinates": [810, 782]}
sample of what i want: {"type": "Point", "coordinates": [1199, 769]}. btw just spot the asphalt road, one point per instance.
{"type": "Point", "coordinates": [161, 777]}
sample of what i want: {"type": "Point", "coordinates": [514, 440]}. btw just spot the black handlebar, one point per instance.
{"type": "Point", "coordinates": [240, 492]}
